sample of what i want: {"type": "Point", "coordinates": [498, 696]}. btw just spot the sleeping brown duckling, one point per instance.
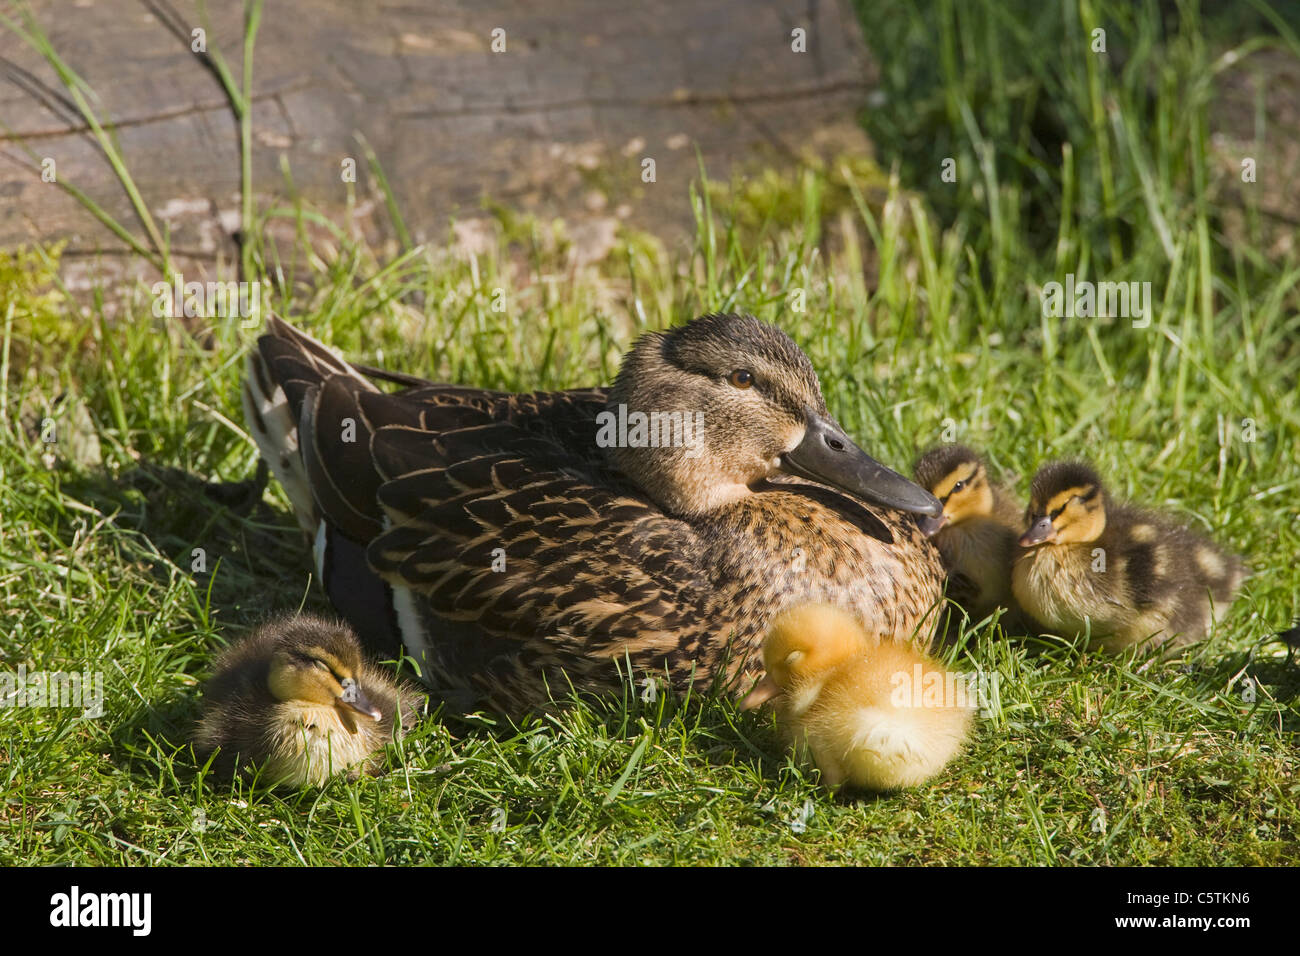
{"type": "Point", "coordinates": [298, 699]}
{"type": "Point", "coordinates": [976, 534]}
{"type": "Point", "coordinates": [1127, 577]}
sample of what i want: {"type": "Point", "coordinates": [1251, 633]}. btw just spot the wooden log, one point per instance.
{"type": "Point", "coordinates": [559, 122]}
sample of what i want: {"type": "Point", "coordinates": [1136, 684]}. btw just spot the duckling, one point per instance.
{"type": "Point", "coordinates": [297, 698]}
{"type": "Point", "coordinates": [859, 710]}
{"type": "Point", "coordinates": [977, 531]}
{"type": "Point", "coordinates": [1127, 577]}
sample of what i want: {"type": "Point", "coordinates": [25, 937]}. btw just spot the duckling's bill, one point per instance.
{"type": "Point", "coordinates": [1040, 532]}
{"type": "Point", "coordinates": [355, 698]}
{"type": "Point", "coordinates": [933, 524]}
{"type": "Point", "coordinates": [763, 691]}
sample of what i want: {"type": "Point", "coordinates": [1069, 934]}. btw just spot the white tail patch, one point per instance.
{"type": "Point", "coordinates": [319, 547]}
{"type": "Point", "coordinates": [275, 431]}
{"type": "Point", "coordinates": [411, 627]}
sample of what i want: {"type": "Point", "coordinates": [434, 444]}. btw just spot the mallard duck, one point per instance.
{"type": "Point", "coordinates": [874, 715]}
{"type": "Point", "coordinates": [1126, 577]}
{"type": "Point", "coordinates": [298, 699]}
{"type": "Point", "coordinates": [977, 532]}
{"type": "Point", "coordinates": [522, 545]}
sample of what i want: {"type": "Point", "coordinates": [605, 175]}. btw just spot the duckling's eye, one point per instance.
{"type": "Point", "coordinates": [741, 378]}
{"type": "Point", "coordinates": [959, 486]}
{"type": "Point", "coordinates": [319, 663]}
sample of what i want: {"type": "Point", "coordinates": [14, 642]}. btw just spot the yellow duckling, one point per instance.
{"type": "Point", "coordinates": [1127, 577]}
{"type": "Point", "coordinates": [297, 698]}
{"type": "Point", "coordinates": [867, 715]}
{"type": "Point", "coordinates": [977, 531]}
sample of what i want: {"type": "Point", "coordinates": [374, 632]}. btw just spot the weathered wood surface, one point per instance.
{"type": "Point", "coordinates": [559, 123]}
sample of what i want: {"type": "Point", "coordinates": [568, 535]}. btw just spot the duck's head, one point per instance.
{"type": "Point", "coordinates": [802, 643]}
{"type": "Point", "coordinates": [318, 662]}
{"type": "Point", "coordinates": [701, 413]}
{"type": "Point", "coordinates": [958, 477]}
{"type": "Point", "coordinates": [1067, 505]}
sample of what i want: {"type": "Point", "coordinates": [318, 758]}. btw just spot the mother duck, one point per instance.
{"type": "Point", "coordinates": [518, 545]}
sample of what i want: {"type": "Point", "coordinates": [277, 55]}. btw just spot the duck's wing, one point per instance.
{"type": "Point", "coordinates": [501, 532]}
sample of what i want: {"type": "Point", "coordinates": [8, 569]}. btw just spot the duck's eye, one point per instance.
{"type": "Point", "coordinates": [319, 663]}
{"type": "Point", "coordinates": [741, 378]}
{"type": "Point", "coordinates": [959, 486]}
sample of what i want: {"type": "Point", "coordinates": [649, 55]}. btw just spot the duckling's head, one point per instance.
{"type": "Point", "coordinates": [701, 413]}
{"type": "Point", "coordinates": [318, 662]}
{"type": "Point", "coordinates": [1067, 505]}
{"type": "Point", "coordinates": [958, 477]}
{"type": "Point", "coordinates": [803, 643]}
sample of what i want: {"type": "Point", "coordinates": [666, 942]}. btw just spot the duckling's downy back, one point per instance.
{"type": "Point", "coordinates": [891, 720]}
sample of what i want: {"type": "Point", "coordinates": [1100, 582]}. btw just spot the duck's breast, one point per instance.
{"type": "Point", "coordinates": [779, 548]}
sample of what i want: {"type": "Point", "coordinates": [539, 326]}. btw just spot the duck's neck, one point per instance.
{"type": "Point", "coordinates": [665, 457]}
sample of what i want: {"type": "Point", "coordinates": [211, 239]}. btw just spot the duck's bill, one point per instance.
{"type": "Point", "coordinates": [828, 455]}
{"type": "Point", "coordinates": [1040, 531]}
{"type": "Point", "coordinates": [763, 691]}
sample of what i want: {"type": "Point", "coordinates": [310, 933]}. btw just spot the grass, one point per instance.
{"type": "Point", "coordinates": [920, 311]}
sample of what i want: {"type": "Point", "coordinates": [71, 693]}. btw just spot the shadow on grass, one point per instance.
{"type": "Point", "coordinates": [232, 543]}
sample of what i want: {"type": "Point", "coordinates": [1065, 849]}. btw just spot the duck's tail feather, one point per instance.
{"type": "Point", "coordinates": [282, 376]}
